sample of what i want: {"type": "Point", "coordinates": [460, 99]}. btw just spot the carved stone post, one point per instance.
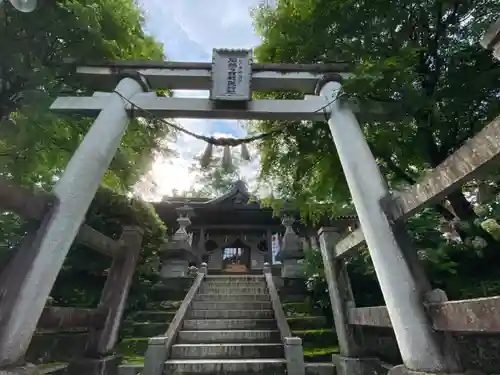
{"type": "Point", "coordinates": [115, 292]}
{"type": "Point", "coordinates": [291, 250]}
{"type": "Point", "coordinates": [177, 254]}
{"type": "Point", "coordinates": [339, 289]}
{"type": "Point", "coordinates": [113, 299]}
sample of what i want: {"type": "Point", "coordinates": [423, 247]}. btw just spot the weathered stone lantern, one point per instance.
{"type": "Point", "coordinates": [177, 253]}
{"type": "Point", "coordinates": [291, 249]}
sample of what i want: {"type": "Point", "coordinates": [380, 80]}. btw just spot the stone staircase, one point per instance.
{"type": "Point", "coordinates": [229, 328]}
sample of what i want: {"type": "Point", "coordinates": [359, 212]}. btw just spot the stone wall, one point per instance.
{"type": "Point", "coordinates": [476, 351]}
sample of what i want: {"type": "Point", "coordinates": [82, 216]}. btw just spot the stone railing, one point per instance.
{"type": "Point", "coordinates": [159, 347]}
{"type": "Point", "coordinates": [294, 354]}
{"type": "Point", "coordinates": [83, 337]}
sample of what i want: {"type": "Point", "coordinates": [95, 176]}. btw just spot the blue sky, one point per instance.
{"type": "Point", "coordinates": [189, 30]}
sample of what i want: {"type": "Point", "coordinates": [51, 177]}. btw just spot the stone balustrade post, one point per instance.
{"type": "Point", "coordinates": [99, 359]}
{"type": "Point", "coordinates": [115, 292]}
{"type": "Point", "coordinates": [350, 361]}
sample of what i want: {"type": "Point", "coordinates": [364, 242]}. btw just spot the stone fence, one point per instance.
{"type": "Point", "coordinates": [83, 337]}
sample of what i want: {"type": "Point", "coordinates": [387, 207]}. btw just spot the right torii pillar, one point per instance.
{"type": "Point", "coordinates": [421, 349]}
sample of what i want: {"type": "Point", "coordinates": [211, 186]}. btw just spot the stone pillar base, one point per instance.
{"type": "Point", "coordinates": [95, 366]}
{"type": "Point", "coordinates": [26, 369]}
{"type": "Point", "coordinates": [174, 268]}
{"type": "Point", "coordinates": [291, 268]}
{"type": "Point", "coordinates": [294, 355]}
{"type": "Point", "coordinates": [357, 366]}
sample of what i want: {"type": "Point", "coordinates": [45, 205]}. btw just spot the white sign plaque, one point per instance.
{"type": "Point", "coordinates": [231, 75]}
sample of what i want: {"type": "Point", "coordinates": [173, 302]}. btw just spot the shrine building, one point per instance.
{"type": "Point", "coordinates": [233, 234]}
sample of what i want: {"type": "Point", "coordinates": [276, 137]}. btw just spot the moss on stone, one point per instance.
{"type": "Point", "coordinates": [306, 322]}
{"type": "Point", "coordinates": [320, 354]}
{"type": "Point", "coordinates": [133, 347]}
{"type": "Point", "coordinates": [317, 337]}
{"type": "Point", "coordinates": [133, 360]}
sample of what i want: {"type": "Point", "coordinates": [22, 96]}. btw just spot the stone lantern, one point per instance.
{"type": "Point", "coordinates": [291, 250]}
{"type": "Point", "coordinates": [177, 253]}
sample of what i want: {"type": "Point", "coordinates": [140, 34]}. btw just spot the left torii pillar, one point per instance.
{"type": "Point", "coordinates": [21, 305]}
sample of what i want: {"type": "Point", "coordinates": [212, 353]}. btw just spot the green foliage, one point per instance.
{"type": "Point", "coordinates": [212, 181]}
{"type": "Point", "coordinates": [421, 57]}
{"type": "Point", "coordinates": [36, 144]}
{"type": "Point", "coordinates": [424, 59]}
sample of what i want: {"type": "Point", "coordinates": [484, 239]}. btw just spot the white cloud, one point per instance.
{"type": "Point", "coordinates": [189, 30]}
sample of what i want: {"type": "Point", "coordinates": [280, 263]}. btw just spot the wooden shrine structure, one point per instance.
{"type": "Point", "coordinates": [233, 234]}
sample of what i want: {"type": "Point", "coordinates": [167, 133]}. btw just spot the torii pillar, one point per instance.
{"type": "Point", "coordinates": [22, 305]}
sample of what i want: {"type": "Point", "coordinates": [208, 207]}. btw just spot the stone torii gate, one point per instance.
{"type": "Point", "coordinates": [231, 79]}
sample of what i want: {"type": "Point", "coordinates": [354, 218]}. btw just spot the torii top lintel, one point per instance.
{"type": "Point", "coordinates": [162, 75]}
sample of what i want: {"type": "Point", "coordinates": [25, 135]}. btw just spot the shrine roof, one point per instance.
{"type": "Point", "coordinates": [232, 208]}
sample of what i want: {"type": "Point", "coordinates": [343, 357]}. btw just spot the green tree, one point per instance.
{"type": "Point", "coordinates": [421, 56]}
{"type": "Point", "coordinates": [212, 181]}
{"type": "Point", "coordinates": [215, 180]}
{"type": "Point", "coordinates": [36, 144]}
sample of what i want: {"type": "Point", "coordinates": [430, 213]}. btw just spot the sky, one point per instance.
{"type": "Point", "coordinates": [189, 30]}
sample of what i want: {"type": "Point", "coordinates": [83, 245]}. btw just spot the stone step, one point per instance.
{"type": "Point", "coordinates": [233, 289]}
{"type": "Point", "coordinates": [227, 283]}
{"type": "Point", "coordinates": [225, 366]}
{"type": "Point", "coordinates": [326, 368]}
{"type": "Point", "coordinates": [230, 314]}
{"type": "Point", "coordinates": [231, 297]}
{"type": "Point", "coordinates": [235, 277]}
{"type": "Point", "coordinates": [228, 337]}
{"type": "Point", "coordinates": [226, 351]}
{"type": "Point", "coordinates": [235, 280]}
{"type": "Point", "coordinates": [227, 324]}
{"type": "Point", "coordinates": [234, 305]}
{"type": "Point", "coordinates": [236, 286]}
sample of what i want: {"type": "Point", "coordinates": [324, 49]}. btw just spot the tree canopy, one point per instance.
{"type": "Point", "coordinates": [36, 144]}
{"type": "Point", "coordinates": [423, 57]}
